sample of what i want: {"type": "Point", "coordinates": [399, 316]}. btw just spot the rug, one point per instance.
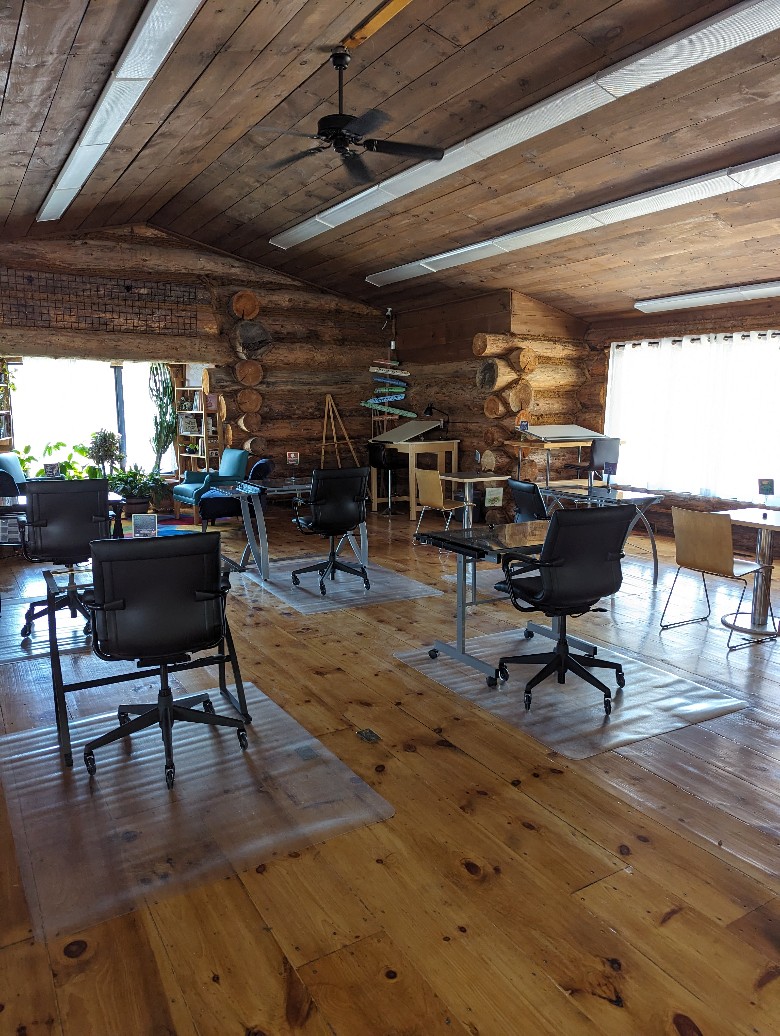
{"type": "Point", "coordinates": [93, 848]}
{"type": "Point", "coordinates": [70, 633]}
{"type": "Point", "coordinates": [345, 591]}
{"type": "Point", "coordinates": [569, 718]}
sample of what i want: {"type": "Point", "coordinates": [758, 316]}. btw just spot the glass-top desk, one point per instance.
{"type": "Point", "coordinates": [250, 494]}
{"type": "Point", "coordinates": [607, 496]}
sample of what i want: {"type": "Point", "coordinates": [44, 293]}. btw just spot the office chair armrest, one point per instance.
{"type": "Point", "coordinates": [107, 606]}
{"type": "Point", "coordinates": [296, 502]}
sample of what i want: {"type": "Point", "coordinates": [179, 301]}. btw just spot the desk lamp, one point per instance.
{"type": "Point", "coordinates": [429, 412]}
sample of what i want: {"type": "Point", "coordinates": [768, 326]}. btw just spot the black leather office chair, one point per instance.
{"type": "Point", "coordinates": [528, 501]}
{"type": "Point", "coordinates": [602, 452]}
{"type": "Point", "coordinates": [213, 504]}
{"type": "Point", "coordinates": [62, 517]}
{"type": "Point", "coordinates": [338, 506]}
{"type": "Point", "coordinates": [386, 459]}
{"type": "Point", "coordinates": [578, 565]}
{"type": "Point", "coordinates": [156, 601]}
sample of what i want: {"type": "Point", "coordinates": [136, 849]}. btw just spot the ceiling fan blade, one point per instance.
{"type": "Point", "coordinates": [398, 147]}
{"type": "Point", "coordinates": [283, 162]}
{"type": "Point", "coordinates": [357, 168]}
{"type": "Point", "coordinates": [368, 122]}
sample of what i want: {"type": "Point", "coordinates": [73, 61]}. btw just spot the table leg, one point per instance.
{"type": "Point", "coordinates": [458, 652]}
{"type": "Point", "coordinates": [374, 502]}
{"type": "Point", "coordinates": [258, 549]}
{"type": "Point", "coordinates": [468, 505]}
{"type": "Point", "coordinates": [58, 685]}
{"type": "Point", "coordinates": [759, 612]}
{"type": "Point", "coordinates": [360, 552]}
{"type": "Point", "coordinates": [412, 486]}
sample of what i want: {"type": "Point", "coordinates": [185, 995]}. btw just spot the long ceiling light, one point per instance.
{"type": "Point", "coordinates": [158, 29]}
{"type": "Point", "coordinates": [716, 297]}
{"type": "Point", "coordinates": [685, 192]}
{"type": "Point", "coordinates": [717, 35]}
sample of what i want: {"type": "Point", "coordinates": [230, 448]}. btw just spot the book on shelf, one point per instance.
{"type": "Point", "coordinates": [188, 424]}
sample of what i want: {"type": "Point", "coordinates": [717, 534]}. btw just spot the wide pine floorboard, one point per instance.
{"type": "Point", "coordinates": [513, 892]}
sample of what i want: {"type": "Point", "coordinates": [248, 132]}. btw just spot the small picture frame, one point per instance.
{"type": "Point", "coordinates": [293, 458]}
{"type": "Point", "coordinates": [766, 487]}
{"type": "Point", "coordinates": [610, 467]}
{"type": "Point", "coordinates": [51, 470]}
{"type": "Point", "coordinates": [522, 426]}
{"type": "Point", "coordinates": [144, 526]}
{"type": "Point", "coordinates": [494, 496]}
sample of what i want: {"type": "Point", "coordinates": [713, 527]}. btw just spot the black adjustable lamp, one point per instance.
{"type": "Point", "coordinates": [431, 409]}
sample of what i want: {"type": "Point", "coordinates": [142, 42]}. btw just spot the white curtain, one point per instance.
{"type": "Point", "coordinates": [696, 414]}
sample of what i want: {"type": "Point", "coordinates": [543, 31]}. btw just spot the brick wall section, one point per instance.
{"type": "Point", "coordinates": [73, 302]}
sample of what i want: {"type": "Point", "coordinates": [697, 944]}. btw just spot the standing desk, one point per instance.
{"type": "Point", "coordinates": [765, 522]}
{"type": "Point", "coordinates": [405, 439]}
{"type": "Point", "coordinates": [469, 480]}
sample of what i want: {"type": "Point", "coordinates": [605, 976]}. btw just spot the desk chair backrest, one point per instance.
{"type": "Point", "coordinates": [63, 517]}
{"type": "Point", "coordinates": [157, 599]}
{"type": "Point", "coordinates": [703, 541]}
{"type": "Point", "coordinates": [338, 499]}
{"type": "Point", "coordinates": [603, 451]}
{"type": "Point", "coordinates": [580, 558]}
{"type": "Point", "coordinates": [430, 491]}
{"type": "Point", "coordinates": [261, 469]}
{"type": "Point", "coordinates": [384, 458]}
{"type": "Point", "coordinates": [529, 504]}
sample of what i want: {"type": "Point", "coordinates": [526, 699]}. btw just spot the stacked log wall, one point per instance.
{"type": "Point", "coordinates": [137, 293]}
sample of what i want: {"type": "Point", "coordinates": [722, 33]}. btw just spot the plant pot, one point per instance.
{"type": "Point", "coordinates": [135, 505]}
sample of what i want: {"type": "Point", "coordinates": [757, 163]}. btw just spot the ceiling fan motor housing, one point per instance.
{"type": "Point", "coordinates": [330, 126]}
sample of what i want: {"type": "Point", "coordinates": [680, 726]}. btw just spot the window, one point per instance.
{"type": "Point", "coordinates": [67, 400]}
{"type": "Point", "coordinates": [696, 413]}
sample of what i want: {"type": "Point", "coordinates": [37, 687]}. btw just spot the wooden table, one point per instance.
{"type": "Point", "coordinates": [765, 522]}
{"type": "Point", "coordinates": [439, 447]}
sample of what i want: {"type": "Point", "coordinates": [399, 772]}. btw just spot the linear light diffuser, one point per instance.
{"type": "Point", "coordinates": [158, 29]}
{"type": "Point", "coordinates": [709, 39]}
{"type": "Point", "coordinates": [671, 196]}
{"type": "Point", "coordinates": [716, 297]}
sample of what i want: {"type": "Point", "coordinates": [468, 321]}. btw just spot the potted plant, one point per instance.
{"type": "Point", "coordinates": [162, 395]}
{"type": "Point", "coordinates": [105, 449]}
{"type": "Point", "coordinates": [137, 487]}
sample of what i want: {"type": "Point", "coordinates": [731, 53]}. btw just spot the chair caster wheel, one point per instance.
{"type": "Point", "coordinates": [608, 705]}
{"type": "Point", "coordinates": [491, 681]}
{"type": "Point", "coordinates": [621, 680]}
{"type": "Point", "coordinates": [322, 590]}
{"type": "Point", "coordinates": [433, 653]}
{"type": "Point", "coordinates": [209, 707]}
{"type": "Point", "coordinates": [502, 673]}
{"type": "Point", "coordinates": [87, 628]}
{"type": "Point", "coordinates": [26, 630]}
{"type": "Point", "coordinates": [170, 774]}
{"type": "Point", "coordinates": [296, 581]}
{"type": "Point", "coordinates": [89, 762]}
{"type": "Point", "coordinates": [243, 740]}
{"type": "Point", "coordinates": [123, 718]}
{"type": "Point", "coordinates": [527, 634]}
{"type": "Point", "coordinates": [527, 701]}
{"type": "Point", "coordinates": [366, 584]}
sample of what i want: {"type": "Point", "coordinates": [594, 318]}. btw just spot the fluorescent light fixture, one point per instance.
{"type": "Point", "coordinates": [716, 297]}
{"type": "Point", "coordinates": [709, 39]}
{"type": "Point", "coordinates": [659, 200]}
{"type": "Point", "coordinates": [158, 29]}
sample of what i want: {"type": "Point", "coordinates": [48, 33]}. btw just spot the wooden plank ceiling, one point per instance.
{"type": "Point", "coordinates": [200, 154]}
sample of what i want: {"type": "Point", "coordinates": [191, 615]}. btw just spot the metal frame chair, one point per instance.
{"type": "Point", "coordinates": [430, 496]}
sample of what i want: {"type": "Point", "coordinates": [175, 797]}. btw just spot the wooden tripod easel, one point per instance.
{"type": "Point", "coordinates": [332, 415]}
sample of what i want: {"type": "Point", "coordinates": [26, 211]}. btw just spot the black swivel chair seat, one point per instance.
{"type": "Point", "coordinates": [385, 459]}
{"type": "Point", "coordinates": [338, 506]}
{"type": "Point", "coordinates": [62, 517]}
{"type": "Point", "coordinates": [156, 602]}
{"type": "Point", "coordinates": [579, 564]}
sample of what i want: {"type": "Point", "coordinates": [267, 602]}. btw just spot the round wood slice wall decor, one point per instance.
{"type": "Point", "coordinates": [245, 305]}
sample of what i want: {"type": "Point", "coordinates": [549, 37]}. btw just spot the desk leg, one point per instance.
{"type": "Point", "coordinates": [58, 686]}
{"type": "Point", "coordinates": [458, 652]}
{"type": "Point", "coordinates": [360, 552]}
{"type": "Point", "coordinates": [468, 501]}
{"type": "Point", "coordinates": [374, 503]}
{"type": "Point", "coordinates": [640, 516]}
{"type": "Point", "coordinates": [412, 486]}
{"type": "Point", "coordinates": [258, 549]}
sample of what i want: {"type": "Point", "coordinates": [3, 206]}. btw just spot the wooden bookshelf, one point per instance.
{"type": "Point", "coordinates": [6, 414]}
{"type": "Point", "coordinates": [198, 430]}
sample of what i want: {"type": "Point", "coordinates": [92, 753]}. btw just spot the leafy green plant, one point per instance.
{"type": "Point", "coordinates": [135, 483]}
{"type": "Point", "coordinates": [162, 395]}
{"type": "Point", "coordinates": [105, 449]}
{"type": "Point", "coordinates": [72, 464]}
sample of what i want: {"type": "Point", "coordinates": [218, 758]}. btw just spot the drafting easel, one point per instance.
{"type": "Point", "coordinates": [332, 415]}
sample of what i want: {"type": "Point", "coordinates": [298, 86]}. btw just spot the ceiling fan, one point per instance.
{"type": "Point", "coordinates": [344, 133]}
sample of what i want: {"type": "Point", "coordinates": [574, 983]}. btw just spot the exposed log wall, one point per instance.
{"type": "Point", "coordinates": [140, 294]}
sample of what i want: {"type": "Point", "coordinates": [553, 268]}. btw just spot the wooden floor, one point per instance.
{"type": "Point", "coordinates": [513, 893]}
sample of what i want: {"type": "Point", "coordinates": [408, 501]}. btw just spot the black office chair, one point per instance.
{"type": "Point", "coordinates": [62, 517]}
{"type": "Point", "coordinates": [386, 459]}
{"type": "Point", "coordinates": [338, 506]}
{"type": "Point", "coordinates": [603, 452]}
{"type": "Point", "coordinates": [578, 565]}
{"type": "Point", "coordinates": [528, 501]}
{"type": "Point", "coordinates": [155, 602]}
{"type": "Point", "coordinates": [213, 504]}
